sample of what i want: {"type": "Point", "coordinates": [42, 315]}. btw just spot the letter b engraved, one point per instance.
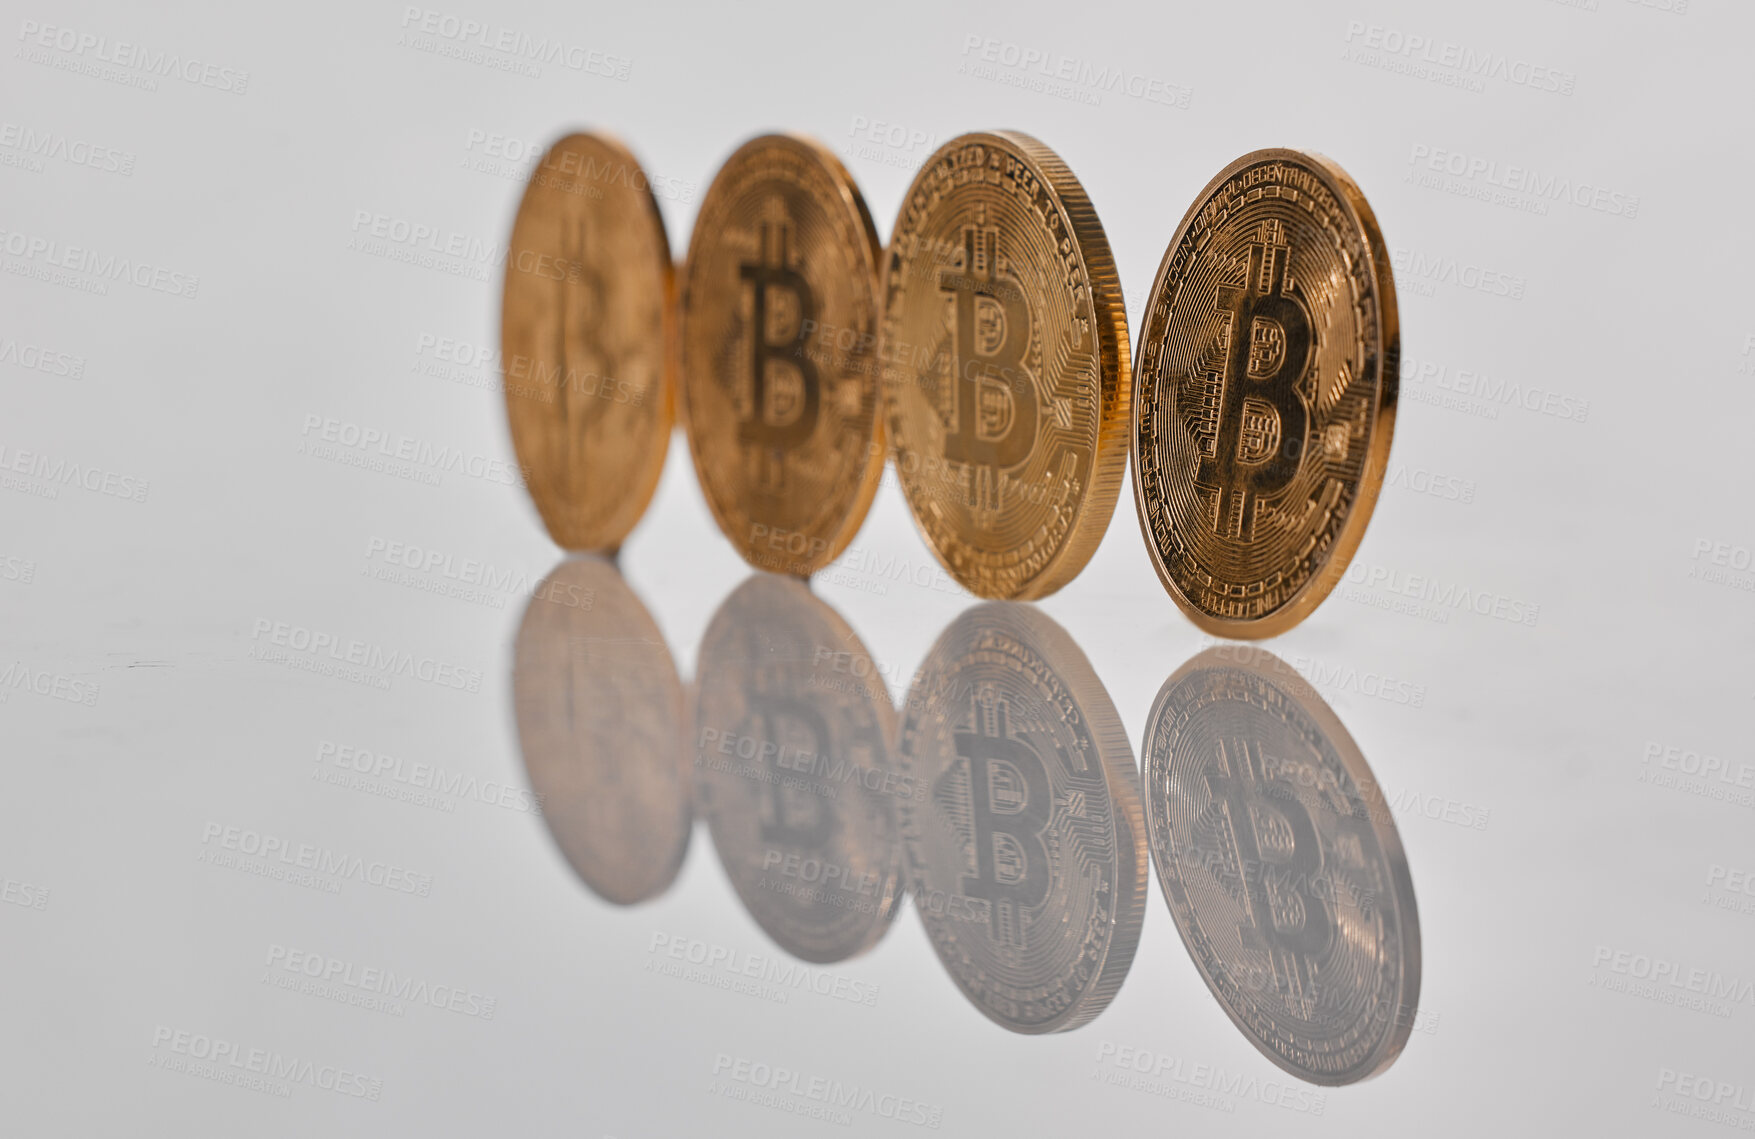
{"type": "Point", "coordinates": [996, 405]}
{"type": "Point", "coordinates": [1263, 419]}
{"type": "Point", "coordinates": [785, 393]}
{"type": "Point", "coordinates": [798, 813]}
{"type": "Point", "coordinates": [579, 308]}
{"type": "Point", "coordinates": [1009, 804]}
{"type": "Point", "coordinates": [1279, 860]}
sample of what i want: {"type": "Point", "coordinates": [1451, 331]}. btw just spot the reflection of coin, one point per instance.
{"type": "Point", "coordinates": [600, 722]}
{"type": "Point", "coordinates": [1282, 866]}
{"type": "Point", "coordinates": [1266, 394]}
{"type": "Point", "coordinates": [794, 737]}
{"type": "Point", "coordinates": [1026, 852]}
{"type": "Point", "coordinates": [1005, 365]}
{"type": "Point", "coordinates": [779, 312]}
{"type": "Point", "coordinates": [584, 330]}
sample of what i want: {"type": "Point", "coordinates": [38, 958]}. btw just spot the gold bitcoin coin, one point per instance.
{"type": "Point", "coordinates": [794, 768]}
{"type": "Point", "coordinates": [600, 723]}
{"type": "Point", "coordinates": [1267, 378]}
{"type": "Point", "coordinates": [780, 392]}
{"type": "Point", "coordinates": [1026, 850]}
{"type": "Point", "coordinates": [1005, 359]}
{"type": "Point", "coordinates": [1281, 863]}
{"type": "Point", "coordinates": [585, 328]}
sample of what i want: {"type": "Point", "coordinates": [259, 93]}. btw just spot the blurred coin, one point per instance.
{"type": "Point", "coordinates": [1282, 866]}
{"type": "Point", "coordinates": [1005, 365]}
{"type": "Point", "coordinates": [584, 341]}
{"type": "Point", "coordinates": [600, 724]}
{"type": "Point", "coordinates": [1267, 372]}
{"type": "Point", "coordinates": [794, 745]}
{"type": "Point", "coordinates": [780, 392]}
{"type": "Point", "coordinates": [1026, 850]}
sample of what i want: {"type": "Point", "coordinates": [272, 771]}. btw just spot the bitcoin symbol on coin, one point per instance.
{"type": "Point", "coordinates": [782, 414]}
{"type": "Point", "coordinates": [1263, 418]}
{"type": "Point", "coordinates": [585, 315]}
{"type": "Point", "coordinates": [1288, 924]}
{"type": "Point", "coordinates": [793, 767]}
{"type": "Point", "coordinates": [1270, 367]}
{"type": "Point", "coordinates": [778, 354]}
{"type": "Point", "coordinates": [1008, 791]}
{"type": "Point", "coordinates": [1027, 856]}
{"type": "Point", "coordinates": [797, 815]}
{"type": "Point", "coordinates": [1281, 866]}
{"type": "Point", "coordinates": [579, 306]}
{"type": "Point", "coordinates": [996, 403]}
{"type": "Point", "coordinates": [1006, 383]}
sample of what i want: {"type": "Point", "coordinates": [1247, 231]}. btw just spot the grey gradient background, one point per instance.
{"type": "Point", "coordinates": [1608, 526]}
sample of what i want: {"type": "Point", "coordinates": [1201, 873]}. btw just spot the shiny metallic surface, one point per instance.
{"type": "Point", "coordinates": [1279, 856]}
{"type": "Point", "coordinates": [779, 383]}
{"type": "Point", "coordinates": [585, 331]}
{"type": "Point", "coordinates": [1026, 850]}
{"type": "Point", "coordinates": [1005, 359]}
{"type": "Point", "coordinates": [1267, 378]}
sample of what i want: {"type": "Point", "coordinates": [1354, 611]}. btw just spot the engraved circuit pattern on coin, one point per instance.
{"type": "Point", "coordinates": [779, 385]}
{"type": "Point", "coordinates": [794, 768]}
{"type": "Point", "coordinates": [1006, 370]}
{"type": "Point", "coordinates": [585, 332]}
{"type": "Point", "coordinates": [1266, 398]}
{"type": "Point", "coordinates": [1282, 866]}
{"type": "Point", "coordinates": [601, 727]}
{"type": "Point", "coordinates": [1026, 852]}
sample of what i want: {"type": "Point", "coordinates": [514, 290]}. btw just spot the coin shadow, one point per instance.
{"type": "Point", "coordinates": [1281, 864]}
{"type": "Point", "coordinates": [794, 738]}
{"type": "Point", "coordinates": [1024, 837]}
{"type": "Point", "coordinates": [600, 718]}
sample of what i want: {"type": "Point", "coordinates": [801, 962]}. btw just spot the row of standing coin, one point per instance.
{"type": "Point", "coordinates": [986, 349]}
